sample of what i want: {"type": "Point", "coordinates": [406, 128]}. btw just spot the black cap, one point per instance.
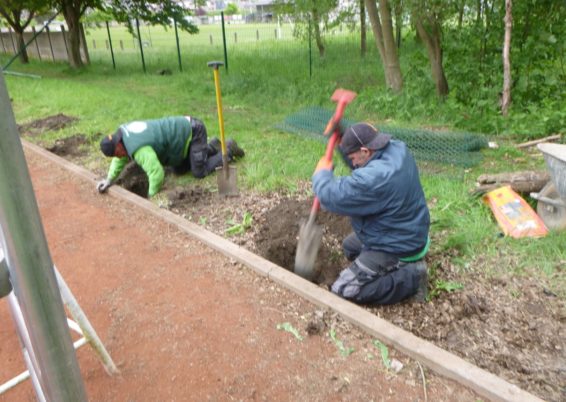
{"type": "Point", "coordinates": [108, 143]}
{"type": "Point", "coordinates": [363, 135]}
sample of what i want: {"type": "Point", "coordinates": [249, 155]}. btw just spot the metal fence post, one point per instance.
{"type": "Point", "coordinates": [140, 43]}
{"type": "Point", "coordinates": [12, 39]}
{"type": "Point", "coordinates": [111, 48]}
{"type": "Point", "coordinates": [31, 269]}
{"type": "Point", "coordinates": [224, 41]}
{"type": "Point", "coordinates": [2, 40]}
{"type": "Point", "coordinates": [65, 40]}
{"type": "Point", "coordinates": [83, 43]}
{"type": "Point", "coordinates": [50, 43]}
{"type": "Point", "coordinates": [35, 34]}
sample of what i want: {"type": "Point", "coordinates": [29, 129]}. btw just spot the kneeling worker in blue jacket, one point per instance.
{"type": "Point", "coordinates": [179, 142]}
{"type": "Point", "coordinates": [385, 201]}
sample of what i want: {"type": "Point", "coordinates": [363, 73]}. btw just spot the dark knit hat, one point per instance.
{"type": "Point", "coordinates": [363, 135]}
{"type": "Point", "coordinates": [108, 143]}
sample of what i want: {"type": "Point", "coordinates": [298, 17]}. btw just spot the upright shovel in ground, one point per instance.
{"type": "Point", "coordinates": [226, 175]}
{"type": "Point", "coordinates": [310, 234]}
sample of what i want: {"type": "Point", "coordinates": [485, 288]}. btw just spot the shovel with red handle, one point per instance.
{"type": "Point", "coordinates": [310, 234]}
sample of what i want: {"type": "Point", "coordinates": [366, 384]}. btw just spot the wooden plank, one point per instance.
{"type": "Point", "coordinates": [522, 182]}
{"type": "Point", "coordinates": [550, 138]}
{"type": "Point", "coordinates": [444, 363]}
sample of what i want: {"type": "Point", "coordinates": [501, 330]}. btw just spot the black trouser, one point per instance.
{"type": "Point", "coordinates": [201, 160]}
{"type": "Point", "coordinates": [374, 277]}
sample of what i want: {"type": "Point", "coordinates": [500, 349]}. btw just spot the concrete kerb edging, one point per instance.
{"type": "Point", "coordinates": [442, 362]}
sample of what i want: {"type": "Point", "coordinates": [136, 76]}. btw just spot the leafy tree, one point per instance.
{"type": "Point", "coordinates": [19, 14]}
{"type": "Point", "coordinates": [155, 12]}
{"type": "Point", "coordinates": [231, 9]}
{"type": "Point", "coordinates": [317, 13]}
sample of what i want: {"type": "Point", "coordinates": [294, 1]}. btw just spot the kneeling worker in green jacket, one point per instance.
{"type": "Point", "coordinates": [179, 142]}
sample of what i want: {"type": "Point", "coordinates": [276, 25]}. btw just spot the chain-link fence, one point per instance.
{"type": "Point", "coordinates": [446, 147]}
{"type": "Point", "coordinates": [245, 45]}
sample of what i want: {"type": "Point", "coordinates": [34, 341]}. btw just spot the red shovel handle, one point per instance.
{"type": "Point", "coordinates": [328, 155]}
{"type": "Point", "coordinates": [343, 98]}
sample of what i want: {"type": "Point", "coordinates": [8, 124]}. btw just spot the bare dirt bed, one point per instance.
{"type": "Point", "coordinates": [511, 326]}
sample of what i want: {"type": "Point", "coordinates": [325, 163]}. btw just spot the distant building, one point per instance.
{"type": "Point", "coordinates": [253, 11]}
{"type": "Point", "coordinates": [265, 9]}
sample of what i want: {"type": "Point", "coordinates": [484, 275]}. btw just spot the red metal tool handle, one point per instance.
{"type": "Point", "coordinates": [343, 98]}
{"type": "Point", "coordinates": [334, 139]}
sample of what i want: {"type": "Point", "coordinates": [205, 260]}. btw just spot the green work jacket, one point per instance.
{"type": "Point", "coordinates": [154, 144]}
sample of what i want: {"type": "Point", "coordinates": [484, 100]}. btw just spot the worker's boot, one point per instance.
{"type": "Point", "coordinates": [234, 150]}
{"type": "Point", "coordinates": [213, 147]}
{"type": "Point", "coordinates": [422, 291]}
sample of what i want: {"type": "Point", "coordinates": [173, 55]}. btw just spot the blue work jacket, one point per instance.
{"type": "Point", "coordinates": [384, 200]}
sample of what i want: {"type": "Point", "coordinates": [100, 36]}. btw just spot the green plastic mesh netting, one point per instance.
{"type": "Point", "coordinates": [455, 148]}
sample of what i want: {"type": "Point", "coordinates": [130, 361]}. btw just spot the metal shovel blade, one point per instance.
{"type": "Point", "coordinates": [310, 237]}
{"type": "Point", "coordinates": [227, 180]}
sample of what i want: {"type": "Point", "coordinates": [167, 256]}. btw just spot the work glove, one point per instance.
{"type": "Point", "coordinates": [323, 164]}
{"type": "Point", "coordinates": [103, 185]}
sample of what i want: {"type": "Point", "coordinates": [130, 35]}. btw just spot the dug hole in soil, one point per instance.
{"type": "Point", "coordinates": [510, 325]}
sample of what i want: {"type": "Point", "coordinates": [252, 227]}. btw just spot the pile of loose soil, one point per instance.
{"type": "Point", "coordinates": [511, 326]}
{"type": "Point", "coordinates": [50, 123]}
{"type": "Point", "coordinates": [70, 146]}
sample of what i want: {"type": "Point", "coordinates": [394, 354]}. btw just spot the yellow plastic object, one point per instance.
{"type": "Point", "coordinates": [513, 214]}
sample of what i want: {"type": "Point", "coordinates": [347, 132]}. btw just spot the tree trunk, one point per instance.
{"type": "Point", "coordinates": [382, 28]}
{"type": "Point", "coordinates": [478, 12]}
{"type": "Point", "coordinates": [460, 8]}
{"type": "Point", "coordinates": [318, 38]}
{"type": "Point", "coordinates": [72, 18]}
{"type": "Point", "coordinates": [506, 97]}
{"type": "Point", "coordinates": [21, 46]}
{"type": "Point", "coordinates": [393, 65]}
{"type": "Point", "coordinates": [371, 8]}
{"type": "Point", "coordinates": [363, 39]}
{"type": "Point", "coordinates": [18, 24]}
{"type": "Point", "coordinates": [432, 41]}
{"type": "Point", "coordinates": [398, 23]}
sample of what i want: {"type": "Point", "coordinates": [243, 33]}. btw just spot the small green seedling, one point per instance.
{"type": "Point", "coordinates": [202, 220]}
{"type": "Point", "coordinates": [343, 350]}
{"type": "Point", "coordinates": [445, 286]}
{"type": "Point", "coordinates": [384, 353]}
{"type": "Point", "coordinates": [289, 328]}
{"type": "Point", "coordinates": [239, 228]}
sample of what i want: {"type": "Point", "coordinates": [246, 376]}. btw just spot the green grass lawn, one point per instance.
{"type": "Point", "coordinates": [260, 95]}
